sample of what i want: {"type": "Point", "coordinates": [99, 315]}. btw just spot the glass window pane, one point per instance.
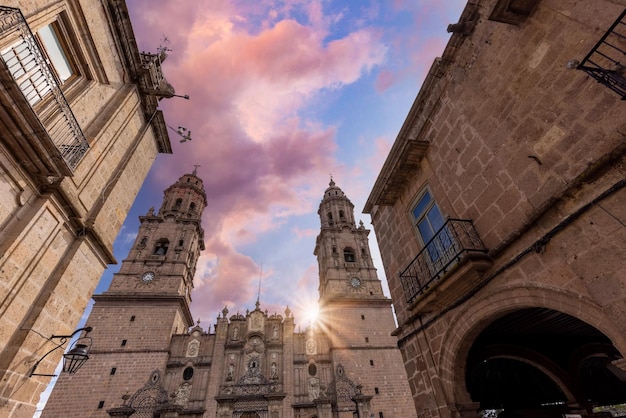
{"type": "Point", "coordinates": [422, 205]}
{"type": "Point", "coordinates": [50, 41]}
{"type": "Point", "coordinates": [425, 230]}
{"type": "Point", "coordinates": [435, 218]}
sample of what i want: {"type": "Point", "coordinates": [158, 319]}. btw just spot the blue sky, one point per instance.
{"type": "Point", "coordinates": [283, 93]}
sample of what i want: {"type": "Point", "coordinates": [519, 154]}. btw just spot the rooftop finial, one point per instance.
{"type": "Point", "coordinates": [332, 182]}
{"type": "Point", "coordinates": [195, 169]}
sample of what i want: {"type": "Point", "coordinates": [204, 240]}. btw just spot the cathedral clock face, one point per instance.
{"type": "Point", "coordinates": [147, 277]}
{"type": "Point", "coordinates": [355, 282]}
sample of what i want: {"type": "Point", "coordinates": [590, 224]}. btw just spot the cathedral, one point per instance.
{"type": "Point", "coordinates": [148, 358]}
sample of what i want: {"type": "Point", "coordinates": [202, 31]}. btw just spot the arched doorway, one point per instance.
{"type": "Point", "coordinates": [540, 362]}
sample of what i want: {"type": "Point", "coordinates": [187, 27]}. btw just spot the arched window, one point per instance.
{"type": "Point", "coordinates": [192, 207]}
{"type": "Point", "coordinates": [161, 247]}
{"type": "Point", "coordinates": [330, 218]}
{"type": "Point", "coordinates": [348, 255]}
{"type": "Point", "coordinates": [341, 215]}
{"type": "Point", "coordinates": [178, 203]}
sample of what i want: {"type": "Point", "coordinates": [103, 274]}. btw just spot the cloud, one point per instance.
{"type": "Point", "coordinates": [253, 70]}
{"type": "Point", "coordinates": [259, 158]}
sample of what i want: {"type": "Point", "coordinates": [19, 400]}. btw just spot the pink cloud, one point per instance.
{"type": "Point", "coordinates": [251, 70]}
{"type": "Point", "coordinates": [258, 158]}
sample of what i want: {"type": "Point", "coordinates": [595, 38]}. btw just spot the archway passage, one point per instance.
{"type": "Point", "coordinates": [540, 362]}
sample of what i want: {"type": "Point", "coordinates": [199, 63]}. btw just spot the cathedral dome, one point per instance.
{"type": "Point", "coordinates": [333, 190]}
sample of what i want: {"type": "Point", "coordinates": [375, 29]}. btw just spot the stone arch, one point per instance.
{"type": "Point", "coordinates": [466, 324]}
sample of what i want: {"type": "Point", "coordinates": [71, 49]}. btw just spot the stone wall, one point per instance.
{"type": "Point", "coordinates": [532, 152]}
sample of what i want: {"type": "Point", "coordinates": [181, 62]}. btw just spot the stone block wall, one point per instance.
{"type": "Point", "coordinates": [57, 227]}
{"type": "Point", "coordinates": [531, 152]}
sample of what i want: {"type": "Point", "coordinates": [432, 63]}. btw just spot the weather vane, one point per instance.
{"type": "Point", "coordinates": [183, 132]}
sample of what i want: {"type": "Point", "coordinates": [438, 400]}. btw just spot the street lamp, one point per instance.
{"type": "Point", "coordinates": [76, 356]}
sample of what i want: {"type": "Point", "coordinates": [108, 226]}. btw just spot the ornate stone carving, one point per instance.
{"type": "Point", "coordinates": [193, 348]}
{"type": "Point", "coordinates": [313, 388]}
{"type": "Point", "coordinates": [311, 347]}
{"type": "Point", "coordinates": [182, 394]}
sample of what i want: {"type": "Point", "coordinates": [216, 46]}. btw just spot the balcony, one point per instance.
{"type": "Point", "coordinates": [455, 247]}
{"type": "Point", "coordinates": [30, 71]}
{"type": "Point", "coordinates": [605, 62]}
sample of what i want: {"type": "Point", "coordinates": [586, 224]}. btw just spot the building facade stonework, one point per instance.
{"type": "Point", "coordinates": [500, 213]}
{"type": "Point", "coordinates": [79, 131]}
{"type": "Point", "coordinates": [149, 358]}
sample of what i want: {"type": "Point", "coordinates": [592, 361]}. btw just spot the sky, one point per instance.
{"type": "Point", "coordinates": [283, 94]}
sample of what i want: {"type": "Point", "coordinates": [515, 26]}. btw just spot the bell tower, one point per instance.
{"type": "Point", "coordinates": [163, 258]}
{"type": "Point", "coordinates": [345, 265]}
{"type": "Point", "coordinates": [354, 312]}
{"type": "Point", "coordinates": [147, 302]}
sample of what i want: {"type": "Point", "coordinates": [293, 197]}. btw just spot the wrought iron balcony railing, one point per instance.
{"type": "Point", "coordinates": [606, 62]}
{"type": "Point", "coordinates": [454, 240]}
{"type": "Point", "coordinates": [29, 67]}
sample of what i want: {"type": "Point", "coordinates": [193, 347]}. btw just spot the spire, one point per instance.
{"type": "Point", "coordinates": [258, 296]}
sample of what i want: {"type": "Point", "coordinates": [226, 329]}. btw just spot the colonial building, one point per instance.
{"type": "Point", "coordinates": [79, 129]}
{"type": "Point", "coordinates": [500, 212]}
{"type": "Point", "coordinates": [148, 357]}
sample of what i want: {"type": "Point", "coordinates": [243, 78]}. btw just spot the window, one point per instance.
{"type": "Point", "coordinates": [113, 370]}
{"type": "Point", "coordinates": [341, 215]}
{"type": "Point", "coordinates": [161, 247]}
{"type": "Point", "coordinates": [178, 203]}
{"type": "Point", "coordinates": [132, 318]}
{"type": "Point", "coordinates": [192, 207]}
{"type": "Point", "coordinates": [312, 369]}
{"type": "Point", "coordinates": [100, 404]}
{"type": "Point", "coordinates": [29, 68]}
{"type": "Point", "coordinates": [367, 340]}
{"type": "Point", "coordinates": [363, 317]}
{"type": "Point", "coordinates": [380, 415]}
{"type": "Point", "coordinates": [188, 373]}
{"type": "Point", "coordinates": [123, 343]}
{"type": "Point", "coordinates": [348, 255]}
{"type": "Point", "coordinates": [371, 362]}
{"type": "Point", "coordinates": [376, 391]}
{"type": "Point", "coordinates": [42, 64]}
{"type": "Point", "coordinates": [52, 40]}
{"type": "Point", "coordinates": [429, 221]}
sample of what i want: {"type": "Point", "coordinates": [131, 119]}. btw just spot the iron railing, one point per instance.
{"type": "Point", "coordinates": [606, 62]}
{"type": "Point", "coordinates": [454, 240]}
{"type": "Point", "coordinates": [32, 72]}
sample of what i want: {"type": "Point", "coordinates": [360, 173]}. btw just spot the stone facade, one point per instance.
{"type": "Point", "coordinates": [500, 215]}
{"type": "Point", "coordinates": [146, 359]}
{"type": "Point", "coordinates": [76, 142]}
